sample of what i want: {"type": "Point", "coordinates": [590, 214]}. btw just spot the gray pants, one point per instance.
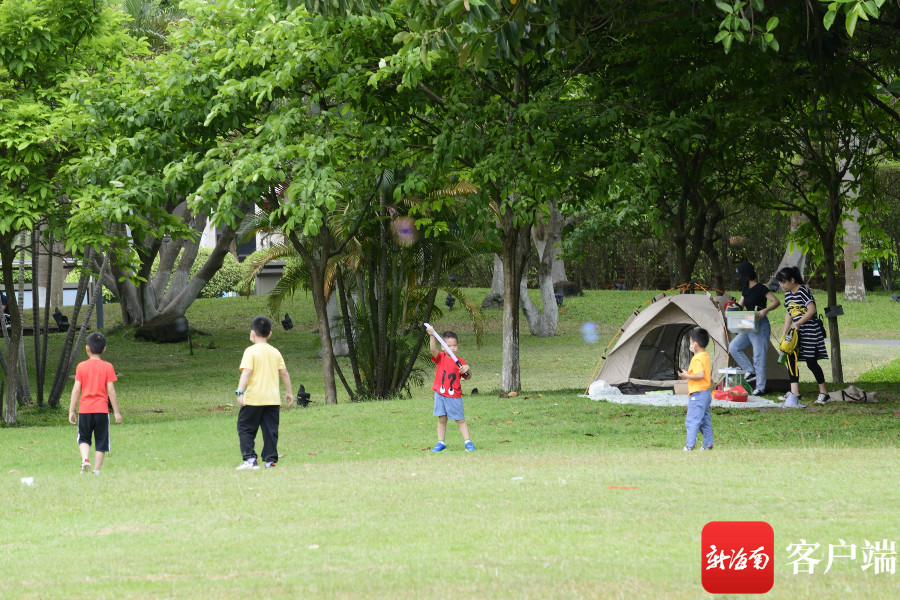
{"type": "Point", "coordinates": [699, 417]}
{"type": "Point", "coordinates": [760, 343]}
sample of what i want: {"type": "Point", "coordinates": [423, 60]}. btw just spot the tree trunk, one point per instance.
{"type": "Point", "coordinates": [543, 324]}
{"type": "Point", "coordinates": [10, 405]}
{"type": "Point", "coordinates": [828, 250]}
{"type": "Point", "coordinates": [793, 256]}
{"type": "Point", "coordinates": [855, 287]}
{"type": "Point", "coordinates": [23, 364]}
{"type": "Point", "coordinates": [58, 277]}
{"type": "Point", "coordinates": [172, 289]}
{"type": "Point", "coordinates": [380, 373]}
{"type": "Point", "coordinates": [516, 246]}
{"type": "Point", "coordinates": [349, 332]}
{"type": "Point", "coordinates": [318, 269]}
{"type": "Point", "coordinates": [497, 278]}
{"type": "Point", "coordinates": [36, 313]}
{"type": "Point", "coordinates": [96, 292]}
{"type": "Point", "coordinates": [543, 234]}
{"type": "Point", "coordinates": [59, 380]}
{"type": "Point", "coordinates": [673, 265]}
{"type": "Point", "coordinates": [429, 306]}
{"type": "Point", "coordinates": [42, 375]}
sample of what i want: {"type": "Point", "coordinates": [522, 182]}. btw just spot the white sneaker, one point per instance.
{"type": "Point", "coordinates": [792, 401]}
{"type": "Point", "coordinates": [248, 465]}
{"type": "Point", "coordinates": [686, 449]}
{"type": "Point", "coordinates": [758, 392]}
{"type": "Point", "coordinates": [785, 397]}
{"type": "Point", "coordinates": [706, 448]}
{"type": "Point", "coordinates": [822, 399]}
{"type": "Point", "coordinates": [85, 467]}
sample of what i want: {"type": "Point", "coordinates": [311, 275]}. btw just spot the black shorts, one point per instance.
{"type": "Point", "coordinates": [96, 424]}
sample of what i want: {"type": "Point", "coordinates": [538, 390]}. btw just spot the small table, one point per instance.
{"type": "Point", "coordinates": [731, 372]}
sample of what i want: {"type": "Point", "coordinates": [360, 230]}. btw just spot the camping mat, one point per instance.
{"type": "Point", "coordinates": [672, 400]}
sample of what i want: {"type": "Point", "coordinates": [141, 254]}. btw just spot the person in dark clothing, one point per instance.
{"type": "Point", "coordinates": [754, 297]}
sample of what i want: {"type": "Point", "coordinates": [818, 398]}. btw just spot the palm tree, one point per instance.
{"type": "Point", "coordinates": [151, 20]}
{"type": "Point", "coordinates": [382, 304]}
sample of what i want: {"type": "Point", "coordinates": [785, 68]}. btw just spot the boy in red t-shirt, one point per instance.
{"type": "Point", "coordinates": [447, 389]}
{"type": "Point", "coordinates": [94, 382]}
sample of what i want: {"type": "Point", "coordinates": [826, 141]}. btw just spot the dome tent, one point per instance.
{"type": "Point", "coordinates": [664, 326]}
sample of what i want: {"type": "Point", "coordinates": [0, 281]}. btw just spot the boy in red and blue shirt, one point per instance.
{"type": "Point", "coordinates": [94, 383]}
{"type": "Point", "coordinates": [448, 390]}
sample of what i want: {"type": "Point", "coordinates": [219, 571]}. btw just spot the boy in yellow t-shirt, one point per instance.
{"type": "Point", "coordinates": [259, 396]}
{"type": "Point", "coordinates": [699, 417]}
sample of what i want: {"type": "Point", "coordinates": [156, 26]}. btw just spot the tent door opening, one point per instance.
{"type": "Point", "coordinates": [650, 364]}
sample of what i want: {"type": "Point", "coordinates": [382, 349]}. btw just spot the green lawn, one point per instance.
{"type": "Point", "coordinates": [358, 507]}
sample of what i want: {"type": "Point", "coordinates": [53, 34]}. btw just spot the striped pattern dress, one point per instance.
{"type": "Point", "coordinates": [812, 336]}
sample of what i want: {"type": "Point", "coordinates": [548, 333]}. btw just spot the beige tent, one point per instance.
{"type": "Point", "coordinates": [664, 326]}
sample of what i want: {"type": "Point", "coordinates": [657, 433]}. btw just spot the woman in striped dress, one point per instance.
{"type": "Point", "coordinates": [801, 312]}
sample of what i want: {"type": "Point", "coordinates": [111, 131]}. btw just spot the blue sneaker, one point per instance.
{"type": "Point", "coordinates": [439, 446]}
{"type": "Point", "coordinates": [470, 447]}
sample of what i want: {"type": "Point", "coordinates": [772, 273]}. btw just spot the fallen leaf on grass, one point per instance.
{"type": "Point", "coordinates": [22, 448]}
{"type": "Point", "coordinates": [510, 422]}
{"type": "Point", "coordinates": [13, 471]}
{"type": "Point", "coordinates": [504, 442]}
{"type": "Point", "coordinates": [589, 434]}
{"type": "Point", "coordinates": [312, 453]}
{"type": "Point", "coordinates": [156, 410]}
{"type": "Point", "coordinates": [34, 442]}
{"type": "Point", "coordinates": [427, 448]}
{"type": "Point", "coordinates": [846, 422]}
{"type": "Point", "coordinates": [660, 422]}
{"type": "Point", "coordinates": [396, 412]}
{"type": "Point", "coordinates": [516, 412]}
{"type": "Point", "coordinates": [406, 445]}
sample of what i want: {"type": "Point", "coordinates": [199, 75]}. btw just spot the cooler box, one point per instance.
{"type": "Point", "coordinates": [681, 388]}
{"type": "Point", "coordinates": [742, 321]}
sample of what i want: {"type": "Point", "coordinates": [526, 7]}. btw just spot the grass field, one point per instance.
{"type": "Point", "coordinates": [360, 508]}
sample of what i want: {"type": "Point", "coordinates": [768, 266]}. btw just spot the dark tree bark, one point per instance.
{"type": "Point", "coordinates": [36, 315]}
{"type": "Point", "coordinates": [317, 264]}
{"type": "Point", "coordinates": [59, 380]}
{"type": "Point", "coordinates": [8, 256]}
{"type": "Point", "coordinates": [516, 240]}
{"type": "Point", "coordinates": [348, 332]}
{"type": "Point", "coordinates": [380, 372]}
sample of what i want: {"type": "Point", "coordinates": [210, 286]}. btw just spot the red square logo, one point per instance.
{"type": "Point", "coordinates": [737, 557]}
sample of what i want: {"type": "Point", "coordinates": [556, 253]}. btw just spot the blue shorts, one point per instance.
{"type": "Point", "coordinates": [452, 408]}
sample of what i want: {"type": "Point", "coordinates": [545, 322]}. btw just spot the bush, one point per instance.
{"type": "Point", "coordinates": [227, 279]}
{"type": "Point", "coordinates": [16, 274]}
